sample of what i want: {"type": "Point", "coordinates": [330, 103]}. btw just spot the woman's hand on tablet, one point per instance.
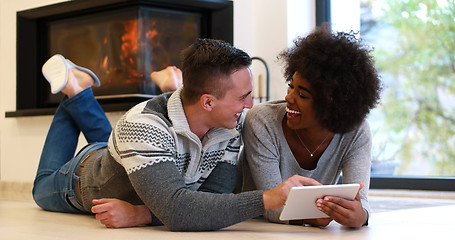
{"type": "Point", "coordinates": [349, 213]}
{"type": "Point", "coordinates": [320, 222]}
{"type": "Point", "coordinates": [276, 197]}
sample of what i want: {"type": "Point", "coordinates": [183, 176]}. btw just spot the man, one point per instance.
{"type": "Point", "coordinates": [169, 160]}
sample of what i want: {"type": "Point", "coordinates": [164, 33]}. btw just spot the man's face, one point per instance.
{"type": "Point", "coordinates": [228, 109]}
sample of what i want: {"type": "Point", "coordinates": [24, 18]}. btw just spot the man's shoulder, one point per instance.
{"type": "Point", "coordinates": [156, 106]}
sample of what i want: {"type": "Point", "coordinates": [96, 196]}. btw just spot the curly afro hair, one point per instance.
{"type": "Point", "coordinates": [343, 79]}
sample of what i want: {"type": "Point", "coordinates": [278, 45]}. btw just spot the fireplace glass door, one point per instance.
{"type": "Point", "coordinates": [122, 47]}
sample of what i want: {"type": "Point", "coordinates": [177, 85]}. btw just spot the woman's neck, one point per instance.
{"type": "Point", "coordinates": [307, 144]}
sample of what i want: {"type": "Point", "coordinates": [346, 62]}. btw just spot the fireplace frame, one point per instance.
{"type": "Point", "coordinates": [217, 22]}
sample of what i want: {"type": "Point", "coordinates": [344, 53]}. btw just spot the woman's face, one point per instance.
{"type": "Point", "coordinates": [299, 105]}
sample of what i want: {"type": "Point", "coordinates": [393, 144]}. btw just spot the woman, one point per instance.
{"type": "Point", "coordinates": [319, 131]}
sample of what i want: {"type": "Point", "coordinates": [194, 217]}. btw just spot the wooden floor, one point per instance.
{"type": "Point", "coordinates": [393, 218]}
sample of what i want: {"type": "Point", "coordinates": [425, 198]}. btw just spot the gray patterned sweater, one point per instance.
{"type": "Point", "coordinates": [154, 159]}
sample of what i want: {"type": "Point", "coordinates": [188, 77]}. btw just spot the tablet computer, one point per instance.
{"type": "Point", "coordinates": [301, 201]}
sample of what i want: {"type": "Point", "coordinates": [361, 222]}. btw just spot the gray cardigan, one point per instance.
{"type": "Point", "coordinates": [270, 160]}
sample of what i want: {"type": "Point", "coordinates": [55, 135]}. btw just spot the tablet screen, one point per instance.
{"type": "Point", "coordinates": [301, 201]}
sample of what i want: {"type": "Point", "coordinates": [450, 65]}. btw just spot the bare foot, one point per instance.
{"type": "Point", "coordinates": [77, 82]}
{"type": "Point", "coordinates": [168, 79]}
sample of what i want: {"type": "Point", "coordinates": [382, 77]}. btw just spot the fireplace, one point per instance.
{"type": "Point", "coordinates": [122, 41]}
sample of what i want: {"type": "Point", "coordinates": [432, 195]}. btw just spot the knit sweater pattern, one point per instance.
{"type": "Point", "coordinates": [169, 169]}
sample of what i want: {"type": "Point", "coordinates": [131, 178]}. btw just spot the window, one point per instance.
{"type": "Point", "coordinates": [414, 127]}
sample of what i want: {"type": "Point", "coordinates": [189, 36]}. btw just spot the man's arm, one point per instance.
{"type": "Point", "coordinates": [144, 146]}
{"type": "Point", "coordinates": [122, 214]}
{"type": "Point", "coordinates": [162, 189]}
{"type": "Point", "coordinates": [115, 213]}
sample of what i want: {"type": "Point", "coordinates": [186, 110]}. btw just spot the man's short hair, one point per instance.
{"type": "Point", "coordinates": [206, 67]}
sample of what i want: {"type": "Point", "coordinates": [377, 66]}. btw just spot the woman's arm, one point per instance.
{"type": "Point", "coordinates": [262, 156]}
{"type": "Point", "coordinates": [356, 169]}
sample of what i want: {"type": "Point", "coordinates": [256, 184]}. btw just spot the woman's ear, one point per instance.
{"type": "Point", "coordinates": [207, 102]}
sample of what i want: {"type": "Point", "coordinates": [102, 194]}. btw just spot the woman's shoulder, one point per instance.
{"type": "Point", "coordinates": [266, 115]}
{"type": "Point", "coordinates": [362, 131]}
{"type": "Point", "coordinates": [267, 109]}
{"type": "Point", "coordinates": [364, 128]}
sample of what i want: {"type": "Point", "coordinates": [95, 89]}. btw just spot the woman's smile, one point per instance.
{"type": "Point", "coordinates": [291, 114]}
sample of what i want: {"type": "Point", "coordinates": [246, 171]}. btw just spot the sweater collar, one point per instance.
{"type": "Point", "coordinates": [180, 122]}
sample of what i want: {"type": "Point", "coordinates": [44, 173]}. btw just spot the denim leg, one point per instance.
{"type": "Point", "coordinates": [54, 183]}
{"type": "Point", "coordinates": [88, 116]}
{"type": "Point", "coordinates": [60, 144]}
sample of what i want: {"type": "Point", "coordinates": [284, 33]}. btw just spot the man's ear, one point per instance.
{"type": "Point", "coordinates": [207, 102]}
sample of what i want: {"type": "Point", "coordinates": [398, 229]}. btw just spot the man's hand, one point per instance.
{"type": "Point", "coordinates": [115, 213]}
{"type": "Point", "coordinates": [276, 197]}
{"type": "Point", "coordinates": [346, 212]}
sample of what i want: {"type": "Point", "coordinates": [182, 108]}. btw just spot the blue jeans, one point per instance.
{"type": "Point", "coordinates": [54, 184]}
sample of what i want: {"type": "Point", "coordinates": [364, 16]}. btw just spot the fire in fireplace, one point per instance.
{"type": "Point", "coordinates": [122, 41]}
{"type": "Point", "coordinates": [124, 46]}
